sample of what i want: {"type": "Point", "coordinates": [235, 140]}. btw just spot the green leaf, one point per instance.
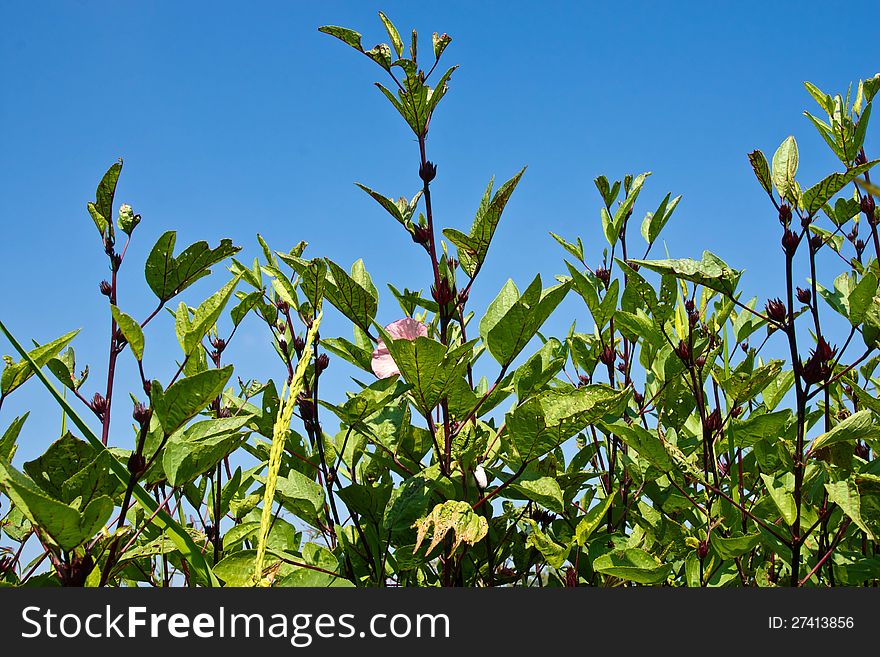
{"type": "Point", "coordinates": [819, 194]}
{"type": "Point", "coordinates": [428, 366]}
{"type": "Point", "coordinates": [620, 214]}
{"type": "Point", "coordinates": [206, 316]}
{"type": "Point", "coordinates": [168, 275]}
{"type": "Point", "coordinates": [370, 400]}
{"type": "Point", "coordinates": [543, 422]}
{"type": "Point", "coordinates": [577, 250]}
{"type": "Point", "coordinates": [393, 34]}
{"type": "Point", "coordinates": [634, 565]}
{"type": "Point", "coordinates": [543, 490]}
{"type": "Point", "coordinates": [735, 546]}
{"type": "Point", "coordinates": [304, 496]}
{"type": "Point", "coordinates": [780, 490]}
{"type": "Point", "coordinates": [16, 374]}
{"type": "Point", "coordinates": [510, 323]}
{"type": "Point", "coordinates": [858, 426]}
{"type": "Point", "coordinates": [66, 458]}
{"type": "Point", "coordinates": [846, 495]}
{"type": "Point", "coordinates": [185, 398]}
{"type": "Point", "coordinates": [553, 552]}
{"type": "Point", "coordinates": [646, 443]}
{"type": "Point", "coordinates": [785, 166]}
{"type": "Point", "coordinates": [200, 447]}
{"type": "Point", "coordinates": [861, 297]}
{"type": "Point", "coordinates": [7, 441]}
{"type": "Point", "coordinates": [102, 209]}
{"type": "Point", "coordinates": [66, 526]}
{"type": "Point", "coordinates": [711, 271]}
{"type": "Point", "coordinates": [762, 170]}
{"type": "Point", "coordinates": [349, 351]}
{"type": "Point", "coordinates": [472, 248]}
{"type": "Point", "coordinates": [455, 516]}
{"type": "Point", "coordinates": [131, 331]}
{"type": "Point", "coordinates": [350, 298]}
{"type": "Point", "coordinates": [741, 386]}
{"type": "Point", "coordinates": [440, 41]}
{"type": "Point", "coordinates": [757, 427]}
{"type": "Point", "coordinates": [593, 518]}
{"type": "Point", "coordinates": [654, 223]}
{"type": "Point", "coordinates": [345, 35]}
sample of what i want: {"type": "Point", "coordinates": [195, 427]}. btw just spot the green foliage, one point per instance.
{"type": "Point", "coordinates": [678, 435]}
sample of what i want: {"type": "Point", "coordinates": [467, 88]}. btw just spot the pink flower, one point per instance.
{"type": "Point", "coordinates": [403, 329]}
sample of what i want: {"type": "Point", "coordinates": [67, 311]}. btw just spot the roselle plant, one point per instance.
{"type": "Point", "coordinates": [666, 445]}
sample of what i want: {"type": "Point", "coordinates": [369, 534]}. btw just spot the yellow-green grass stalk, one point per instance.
{"type": "Point", "coordinates": [279, 435]}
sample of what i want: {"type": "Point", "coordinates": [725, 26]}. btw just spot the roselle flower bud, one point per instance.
{"type": "Point", "coordinates": [776, 310]}
{"type": "Point", "coordinates": [867, 206]}
{"type": "Point", "coordinates": [723, 467]}
{"type": "Point", "coordinates": [282, 306]}
{"type": "Point", "coordinates": [824, 350]}
{"type": "Point", "coordinates": [860, 246]}
{"type": "Point", "coordinates": [603, 275]}
{"type": "Point", "coordinates": [736, 411]}
{"type": "Point", "coordinates": [862, 451]}
{"type": "Point", "coordinates": [452, 263]}
{"type": "Point", "coordinates": [693, 318]}
{"type": "Point", "coordinates": [307, 412]}
{"type": "Point", "coordinates": [621, 367]}
{"type": "Point", "coordinates": [818, 368]}
{"type": "Point", "coordinates": [571, 578]}
{"type": "Point", "coordinates": [790, 242]}
{"type": "Point", "coordinates": [638, 398]}
{"type": "Point", "coordinates": [148, 387]}
{"type": "Point", "coordinates": [218, 343]}
{"type": "Point", "coordinates": [744, 345]}
{"type": "Point", "coordinates": [444, 294]}
{"type": "Point", "coordinates": [683, 351]}
{"type": "Point", "coordinates": [299, 344]}
{"type": "Point", "coordinates": [224, 412]}
{"type": "Point", "coordinates": [137, 464]}
{"type": "Point", "coordinates": [583, 380]}
{"type": "Point", "coordinates": [5, 564]}
{"type": "Point", "coordinates": [105, 288]}
{"type": "Point", "coordinates": [861, 158]}
{"type": "Point", "coordinates": [99, 404]}
{"type": "Point", "coordinates": [282, 345]}
{"type": "Point", "coordinates": [607, 356]}
{"type": "Point", "coordinates": [427, 171]}
{"type": "Point", "coordinates": [701, 361]}
{"type": "Point", "coordinates": [321, 363]}
{"type": "Point", "coordinates": [421, 235]}
{"type": "Point", "coordinates": [542, 517]}
{"type": "Point", "coordinates": [689, 305]}
{"type": "Point", "coordinates": [463, 297]}
{"type": "Point", "coordinates": [804, 296]}
{"type": "Point", "coordinates": [817, 242]}
{"type": "Point", "coordinates": [784, 214]}
{"type": "Point", "coordinates": [713, 422]}
{"type": "Point", "coordinates": [142, 414]}
{"type": "Point", "coordinates": [703, 550]}
{"type": "Point", "coordinates": [210, 531]}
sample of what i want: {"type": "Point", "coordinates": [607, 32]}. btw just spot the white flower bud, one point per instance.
{"type": "Point", "coordinates": [481, 477]}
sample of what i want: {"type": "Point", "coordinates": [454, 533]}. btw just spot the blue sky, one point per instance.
{"type": "Point", "coordinates": [235, 118]}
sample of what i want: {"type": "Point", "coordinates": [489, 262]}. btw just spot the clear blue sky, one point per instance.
{"type": "Point", "coordinates": [239, 117]}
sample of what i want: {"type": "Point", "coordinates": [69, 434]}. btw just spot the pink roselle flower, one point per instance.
{"type": "Point", "coordinates": [403, 329]}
